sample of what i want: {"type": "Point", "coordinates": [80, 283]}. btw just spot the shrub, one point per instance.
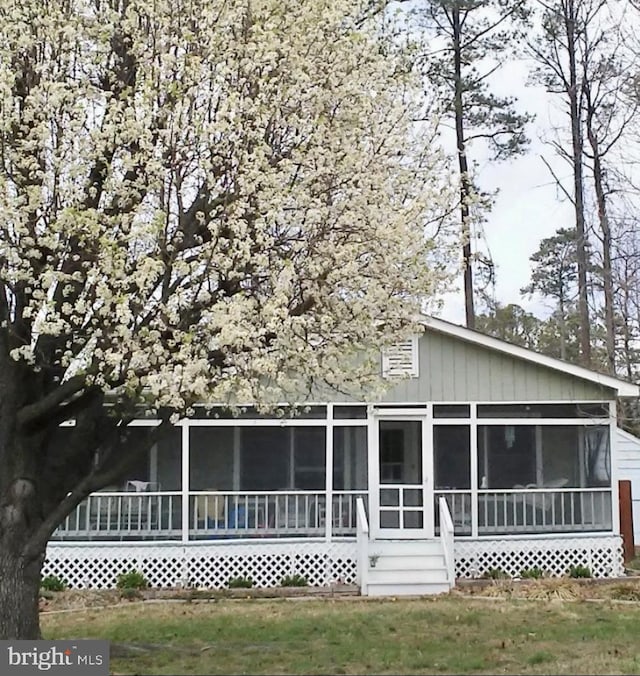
{"type": "Point", "coordinates": [134, 579]}
{"type": "Point", "coordinates": [240, 583]}
{"type": "Point", "coordinates": [495, 574]}
{"type": "Point", "coordinates": [534, 573]}
{"type": "Point", "coordinates": [580, 571]}
{"type": "Point", "coordinates": [294, 581]}
{"type": "Point", "coordinates": [52, 583]}
{"type": "Point", "coordinates": [130, 594]}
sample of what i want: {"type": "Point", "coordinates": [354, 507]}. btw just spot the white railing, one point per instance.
{"type": "Point", "coordinates": [446, 537]}
{"type": "Point", "coordinates": [158, 515]}
{"type": "Point", "coordinates": [459, 506]}
{"type": "Point", "coordinates": [269, 514]}
{"type": "Point", "coordinates": [531, 510]}
{"type": "Point", "coordinates": [544, 510]}
{"type": "Point", "coordinates": [111, 515]}
{"type": "Point", "coordinates": [362, 544]}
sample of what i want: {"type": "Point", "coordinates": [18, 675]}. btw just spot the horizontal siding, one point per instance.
{"type": "Point", "coordinates": [628, 448]}
{"type": "Point", "coordinates": [454, 370]}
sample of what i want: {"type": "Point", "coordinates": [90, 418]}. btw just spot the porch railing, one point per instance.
{"type": "Point", "coordinates": [128, 515]}
{"type": "Point", "coordinates": [269, 514]}
{"type": "Point", "coordinates": [446, 537]}
{"type": "Point", "coordinates": [212, 515]}
{"type": "Point", "coordinates": [535, 510]}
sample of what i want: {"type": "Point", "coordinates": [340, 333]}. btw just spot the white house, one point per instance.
{"type": "Point", "coordinates": [485, 455]}
{"type": "Point", "coordinates": [629, 468]}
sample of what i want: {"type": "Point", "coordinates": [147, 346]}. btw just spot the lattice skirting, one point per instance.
{"type": "Point", "coordinates": [602, 554]}
{"type": "Point", "coordinates": [202, 565]}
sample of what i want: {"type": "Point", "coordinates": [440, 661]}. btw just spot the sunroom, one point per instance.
{"type": "Point", "coordinates": [503, 468]}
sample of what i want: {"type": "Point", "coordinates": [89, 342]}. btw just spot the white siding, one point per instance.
{"type": "Point", "coordinates": [629, 468]}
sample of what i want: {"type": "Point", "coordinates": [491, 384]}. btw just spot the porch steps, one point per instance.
{"type": "Point", "coordinates": [406, 568]}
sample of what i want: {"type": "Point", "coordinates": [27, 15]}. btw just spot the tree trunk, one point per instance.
{"type": "Point", "coordinates": [19, 594]}
{"type": "Point", "coordinates": [465, 183]}
{"type": "Point", "coordinates": [605, 228]}
{"type": "Point", "coordinates": [578, 184]}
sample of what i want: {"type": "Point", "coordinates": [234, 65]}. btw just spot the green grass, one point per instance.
{"type": "Point", "coordinates": [435, 636]}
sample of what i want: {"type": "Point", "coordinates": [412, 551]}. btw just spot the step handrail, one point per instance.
{"type": "Point", "coordinates": [362, 542]}
{"type": "Point", "coordinates": [446, 537]}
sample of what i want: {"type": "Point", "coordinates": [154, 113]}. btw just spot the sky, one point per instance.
{"type": "Point", "coordinates": [528, 207]}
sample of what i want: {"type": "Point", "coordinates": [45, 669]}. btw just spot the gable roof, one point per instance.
{"type": "Point", "coordinates": [622, 387]}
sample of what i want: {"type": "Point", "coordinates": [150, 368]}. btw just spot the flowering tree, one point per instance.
{"type": "Point", "coordinates": [199, 201]}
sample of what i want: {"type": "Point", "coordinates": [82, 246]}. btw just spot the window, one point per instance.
{"type": "Point", "coordinates": [452, 456]}
{"type": "Point", "coordinates": [400, 451]}
{"type": "Point", "coordinates": [583, 410]}
{"type": "Point", "coordinates": [451, 411]}
{"type": "Point", "coordinates": [350, 458]}
{"type": "Point", "coordinates": [539, 456]}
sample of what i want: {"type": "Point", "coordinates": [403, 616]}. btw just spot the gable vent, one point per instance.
{"type": "Point", "coordinates": [401, 360]}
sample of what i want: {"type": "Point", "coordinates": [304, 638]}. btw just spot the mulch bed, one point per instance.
{"type": "Point", "coordinates": [76, 599]}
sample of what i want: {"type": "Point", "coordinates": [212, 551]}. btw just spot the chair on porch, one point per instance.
{"type": "Point", "coordinates": [210, 510]}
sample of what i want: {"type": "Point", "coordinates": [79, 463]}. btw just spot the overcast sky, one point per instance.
{"type": "Point", "coordinates": [528, 206]}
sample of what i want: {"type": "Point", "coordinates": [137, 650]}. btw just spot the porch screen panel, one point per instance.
{"type": "Point", "coordinates": [265, 458]}
{"type": "Point", "coordinates": [350, 470]}
{"type": "Point", "coordinates": [452, 456]}
{"type": "Point", "coordinates": [211, 458]}
{"type": "Point", "coordinates": [506, 455]}
{"type": "Point", "coordinates": [170, 461]}
{"type": "Point", "coordinates": [309, 458]}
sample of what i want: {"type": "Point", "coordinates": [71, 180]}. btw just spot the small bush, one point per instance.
{"type": "Point", "coordinates": [580, 571]}
{"type": "Point", "coordinates": [294, 581]}
{"type": "Point", "coordinates": [534, 573]}
{"type": "Point", "coordinates": [240, 583]}
{"type": "Point", "coordinates": [134, 579]}
{"type": "Point", "coordinates": [495, 574]}
{"type": "Point", "coordinates": [52, 583]}
{"type": "Point", "coordinates": [130, 594]}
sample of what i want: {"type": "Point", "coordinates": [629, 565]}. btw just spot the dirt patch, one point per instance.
{"type": "Point", "coordinates": [77, 599]}
{"type": "Point", "coordinates": [563, 589]}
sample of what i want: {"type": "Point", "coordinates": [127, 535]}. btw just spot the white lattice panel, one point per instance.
{"type": "Point", "coordinates": [210, 566]}
{"type": "Point", "coordinates": [98, 567]}
{"type": "Point", "coordinates": [603, 555]}
{"type": "Point", "coordinates": [266, 564]}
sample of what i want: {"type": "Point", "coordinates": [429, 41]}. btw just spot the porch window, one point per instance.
{"type": "Point", "coordinates": [350, 459]}
{"type": "Point", "coordinates": [539, 456]}
{"type": "Point", "coordinates": [211, 451]}
{"type": "Point", "coordinates": [257, 458]}
{"type": "Point", "coordinates": [452, 456]}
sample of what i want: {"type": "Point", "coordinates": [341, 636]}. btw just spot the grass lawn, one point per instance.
{"type": "Point", "coordinates": [448, 635]}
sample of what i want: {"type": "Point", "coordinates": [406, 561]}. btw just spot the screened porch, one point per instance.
{"type": "Point", "coordinates": [504, 469]}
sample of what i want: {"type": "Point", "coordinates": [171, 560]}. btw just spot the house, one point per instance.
{"type": "Point", "coordinates": [484, 455]}
{"type": "Point", "coordinates": [629, 468]}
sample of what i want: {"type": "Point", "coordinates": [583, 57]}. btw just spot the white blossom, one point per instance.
{"type": "Point", "coordinates": [212, 201]}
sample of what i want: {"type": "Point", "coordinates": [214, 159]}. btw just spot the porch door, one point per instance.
{"type": "Point", "coordinates": [402, 485]}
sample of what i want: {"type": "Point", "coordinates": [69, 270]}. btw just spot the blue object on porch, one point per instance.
{"type": "Point", "coordinates": [236, 517]}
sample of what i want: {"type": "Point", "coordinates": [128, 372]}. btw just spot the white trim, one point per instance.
{"type": "Point", "coordinates": [328, 477]}
{"type": "Point", "coordinates": [622, 387]}
{"type": "Point", "coordinates": [185, 483]}
{"type": "Point", "coordinates": [614, 463]}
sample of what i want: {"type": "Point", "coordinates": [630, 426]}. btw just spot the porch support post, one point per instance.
{"type": "Point", "coordinates": [473, 445]}
{"type": "Point", "coordinates": [328, 518]}
{"type": "Point", "coordinates": [613, 463]}
{"type": "Point", "coordinates": [185, 481]}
